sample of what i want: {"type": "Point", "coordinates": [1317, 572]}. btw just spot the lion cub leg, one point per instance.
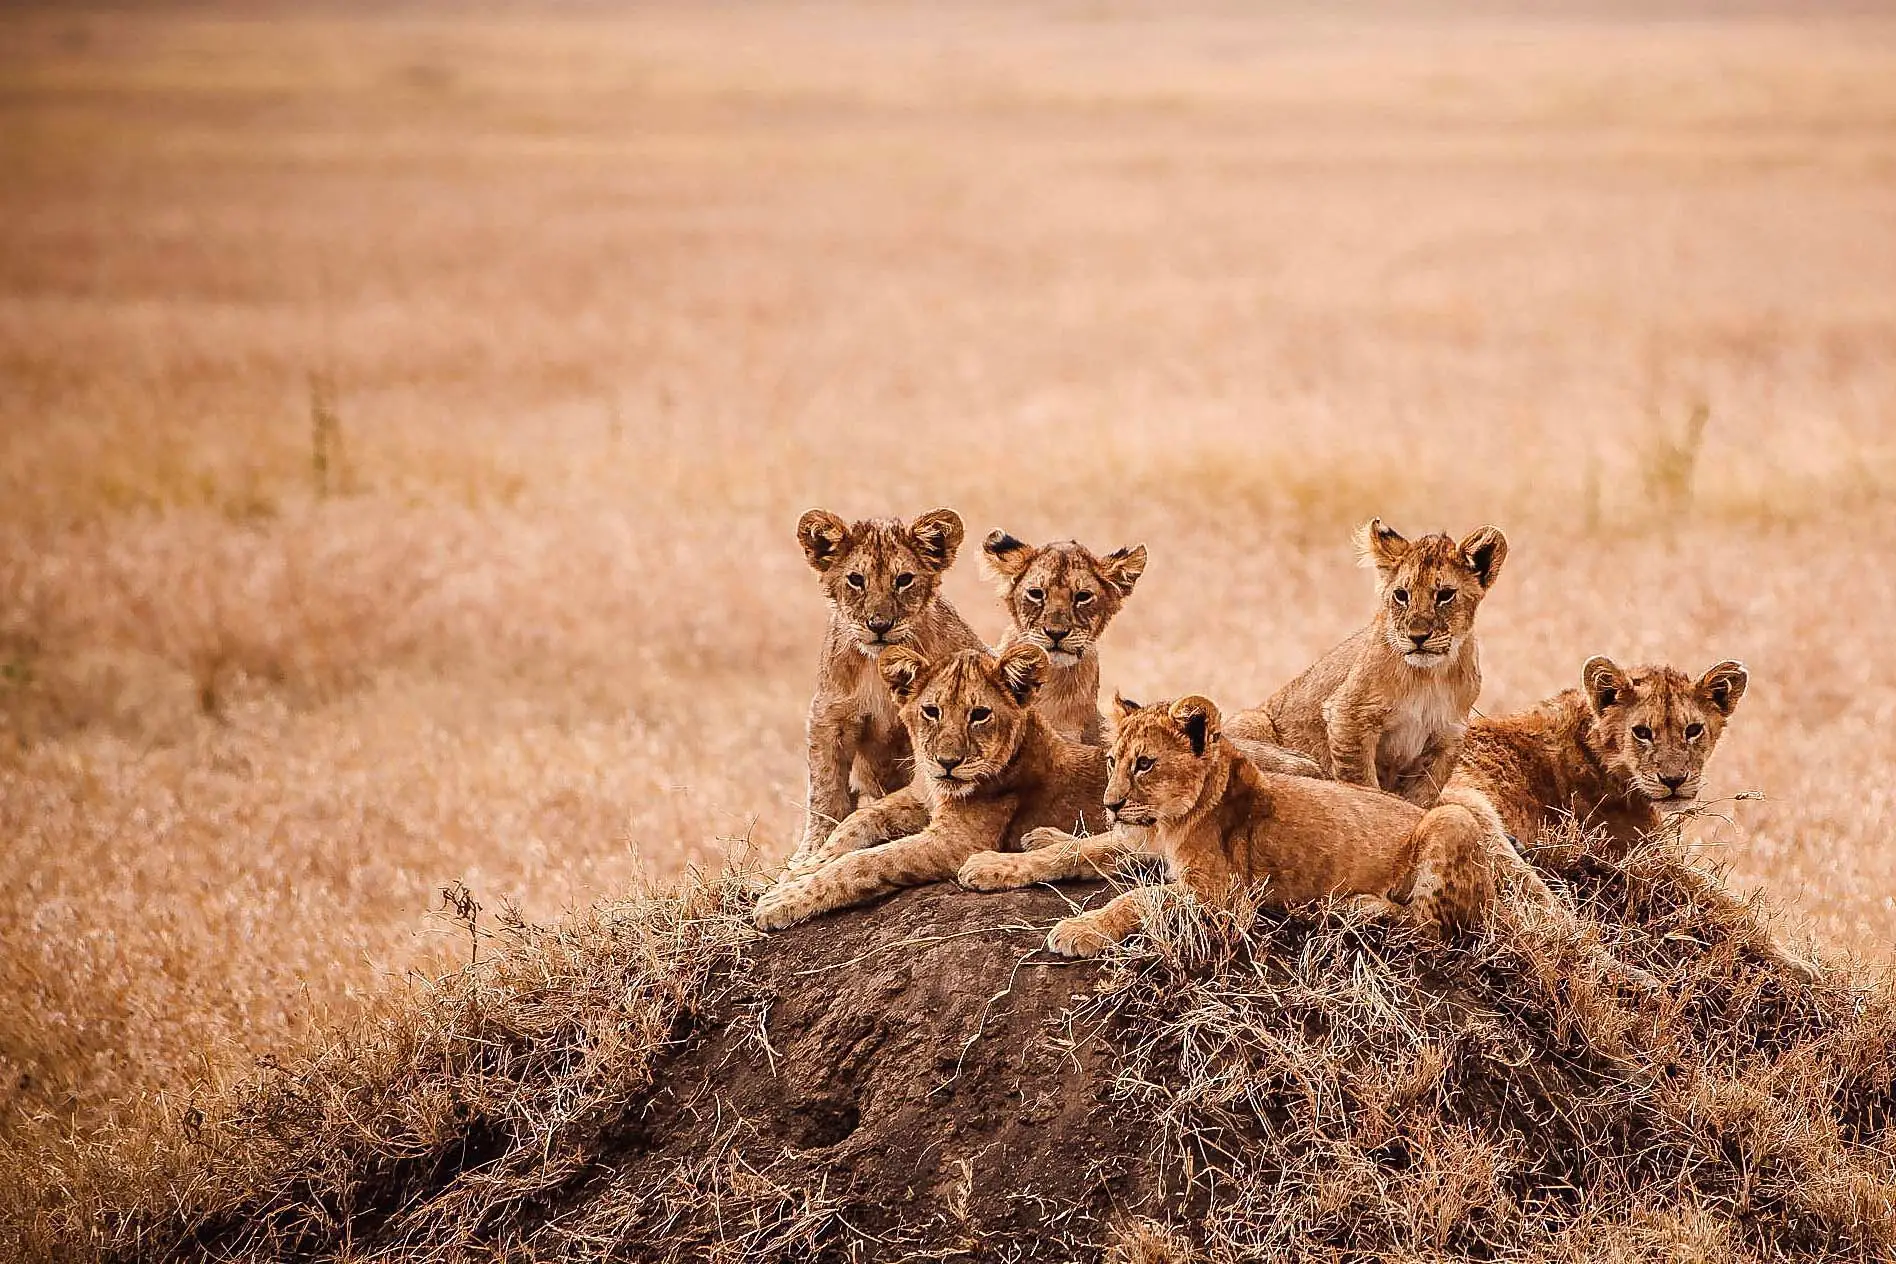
{"type": "Point", "coordinates": [1089, 934]}
{"type": "Point", "coordinates": [860, 876]}
{"type": "Point", "coordinates": [894, 816]}
{"type": "Point", "coordinates": [1052, 856]}
{"type": "Point", "coordinates": [1453, 884]}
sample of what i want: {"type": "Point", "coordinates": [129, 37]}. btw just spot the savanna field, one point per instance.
{"type": "Point", "coordinates": [404, 418]}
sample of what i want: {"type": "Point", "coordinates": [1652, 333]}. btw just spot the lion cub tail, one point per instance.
{"type": "Point", "coordinates": [1454, 881]}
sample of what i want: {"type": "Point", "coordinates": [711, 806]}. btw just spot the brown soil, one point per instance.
{"type": "Point", "coordinates": [914, 1060]}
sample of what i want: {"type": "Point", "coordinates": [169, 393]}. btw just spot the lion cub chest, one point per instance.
{"type": "Point", "coordinates": [1421, 715]}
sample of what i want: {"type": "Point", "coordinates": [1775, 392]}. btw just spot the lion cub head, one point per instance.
{"type": "Point", "coordinates": [880, 575]}
{"type": "Point", "coordinates": [1060, 596]}
{"type": "Point", "coordinates": [967, 713]}
{"type": "Point", "coordinates": [1654, 727]}
{"type": "Point", "coordinates": [1157, 768]}
{"type": "Point", "coordinates": [1430, 588]}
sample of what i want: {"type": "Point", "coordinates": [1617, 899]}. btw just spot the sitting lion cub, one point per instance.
{"type": "Point", "coordinates": [883, 581]}
{"type": "Point", "coordinates": [1386, 708]}
{"type": "Point", "coordinates": [992, 767]}
{"type": "Point", "coordinates": [1220, 823]}
{"type": "Point", "coordinates": [1623, 752]}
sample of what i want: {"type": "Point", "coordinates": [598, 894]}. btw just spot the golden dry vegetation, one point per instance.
{"type": "Point", "coordinates": [403, 420]}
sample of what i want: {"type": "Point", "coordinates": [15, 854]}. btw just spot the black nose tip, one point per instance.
{"type": "Point", "coordinates": [1421, 640]}
{"type": "Point", "coordinates": [1055, 637]}
{"type": "Point", "coordinates": [879, 625]}
{"type": "Point", "coordinates": [1113, 805]}
{"type": "Point", "coordinates": [949, 765]}
{"type": "Point", "coordinates": [1672, 783]}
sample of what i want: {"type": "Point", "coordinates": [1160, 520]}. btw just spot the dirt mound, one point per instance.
{"type": "Point", "coordinates": [918, 1080]}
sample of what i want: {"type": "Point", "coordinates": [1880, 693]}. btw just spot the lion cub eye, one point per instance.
{"type": "Point", "coordinates": [932, 711]}
{"type": "Point", "coordinates": [904, 580]}
{"type": "Point", "coordinates": [1641, 732]}
{"type": "Point", "coordinates": [979, 715]}
{"type": "Point", "coordinates": [1401, 595]}
{"type": "Point", "coordinates": [1694, 731]}
{"type": "Point", "coordinates": [855, 580]}
{"type": "Point", "coordinates": [1080, 599]}
{"type": "Point", "coordinates": [1036, 594]}
{"type": "Point", "coordinates": [1444, 595]}
{"type": "Point", "coordinates": [1144, 764]}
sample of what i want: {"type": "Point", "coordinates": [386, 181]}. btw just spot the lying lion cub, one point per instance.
{"type": "Point", "coordinates": [992, 767]}
{"type": "Point", "coordinates": [1622, 753]}
{"type": "Point", "coordinates": [1386, 708]}
{"type": "Point", "coordinates": [1220, 823]}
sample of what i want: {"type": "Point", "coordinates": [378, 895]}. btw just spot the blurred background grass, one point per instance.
{"type": "Point", "coordinates": [403, 417]}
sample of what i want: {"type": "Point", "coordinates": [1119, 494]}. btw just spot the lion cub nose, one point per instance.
{"type": "Point", "coordinates": [880, 624]}
{"type": "Point", "coordinates": [1113, 805]}
{"type": "Point", "coordinates": [1420, 638]}
{"type": "Point", "coordinates": [1055, 636]}
{"type": "Point", "coordinates": [949, 765]}
{"type": "Point", "coordinates": [1672, 783]}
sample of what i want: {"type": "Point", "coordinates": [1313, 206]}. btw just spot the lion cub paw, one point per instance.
{"type": "Point", "coordinates": [994, 871]}
{"type": "Point", "coordinates": [782, 906]}
{"type": "Point", "coordinates": [1077, 937]}
{"type": "Point", "coordinates": [1045, 836]}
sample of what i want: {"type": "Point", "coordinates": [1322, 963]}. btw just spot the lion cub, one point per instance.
{"type": "Point", "coordinates": [1061, 596]}
{"type": "Point", "coordinates": [1386, 708]}
{"type": "Point", "coordinates": [883, 581]}
{"type": "Point", "coordinates": [1220, 823]}
{"type": "Point", "coordinates": [992, 767]}
{"type": "Point", "coordinates": [1623, 752]}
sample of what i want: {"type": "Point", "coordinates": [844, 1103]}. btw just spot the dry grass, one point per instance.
{"type": "Point", "coordinates": [402, 420]}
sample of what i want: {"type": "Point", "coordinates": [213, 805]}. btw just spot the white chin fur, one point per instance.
{"type": "Point", "coordinates": [1424, 660]}
{"type": "Point", "coordinates": [871, 650]}
{"type": "Point", "coordinates": [1063, 659]}
{"type": "Point", "coordinates": [1674, 806]}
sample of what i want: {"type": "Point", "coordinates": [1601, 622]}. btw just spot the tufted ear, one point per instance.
{"type": "Point", "coordinates": [1380, 545]}
{"type": "Point", "coordinates": [936, 535]}
{"type": "Point", "coordinates": [903, 670]}
{"type": "Point", "coordinates": [1199, 720]}
{"type": "Point", "coordinates": [1123, 705]}
{"type": "Point", "coordinates": [1122, 567]}
{"type": "Point", "coordinates": [1723, 685]}
{"type": "Point", "coordinates": [1004, 557]}
{"type": "Point", "coordinates": [1484, 549]}
{"type": "Point", "coordinates": [1023, 669]}
{"type": "Point", "coordinates": [824, 538]}
{"type": "Point", "coordinates": [1604, 682]}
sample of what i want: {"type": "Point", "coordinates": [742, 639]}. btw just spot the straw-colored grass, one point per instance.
{"type": "Point", "coordinates": [402, 421]}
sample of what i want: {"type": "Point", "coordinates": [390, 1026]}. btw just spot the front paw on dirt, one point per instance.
{"type": "Point", "coordinates": [990, 871]}
{"type": "Point", "coordinates": [1077, 937]}
{"type": "Point", "coordinates": [782, 906]}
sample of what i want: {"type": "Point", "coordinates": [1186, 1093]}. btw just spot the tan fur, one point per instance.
{"type": "Point", "coordinates": [1619, 754]}
{"type": "Point", "coordinates": [883, 582]}
{"type": "Point", "coordinates": [1220, 823]}
{"type": "Point", "coordinates": [992, 768]}
{"type": "Point", "coordinates": [1061, 597]}
{"type": "Point", "coordinates": [1386, 708]}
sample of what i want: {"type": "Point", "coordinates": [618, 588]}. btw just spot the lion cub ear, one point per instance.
{"type": "Point", "coordinates": [903, 670]}
{"type": "Point", "coordinates": [1124, 705]}
{"type": "Point", "coordinates": [824, 537]}
{"type": "Point", "coordinates": [1484, 549]}
{"type": "Point", "coordinates": [1122, 567]}
{"type": "Point", "coordinates": [1380, 545]}
{"type": "Point", "coordinates": [1723, 685]}
{"type": "Point", "coordinates": [1199, 720]}
{"type": "Point", "coordinates": [1004, 557]}
{"type": "Point", "coordinates": [1604, 682]}
{"type": "Point", "coordinates": [936, 535]}
{"type": "Point", "coordinates": [1023, 669]}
